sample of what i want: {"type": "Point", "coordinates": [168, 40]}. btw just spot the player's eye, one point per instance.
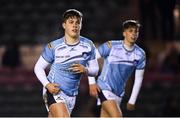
{"type": "Point", "coordinates": [71, 21]}
{"type": "Point", "coordinates": [130, 30]}
{"type": "Point", "coordinates": [133, 30]}
{"type": "Point", "coordinates": [78, 22]}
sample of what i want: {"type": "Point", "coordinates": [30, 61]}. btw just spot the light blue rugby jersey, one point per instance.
{"type": "Point", "coordinates": [62, 56]}
{"type": "Point", "coordinates": [119, 64]}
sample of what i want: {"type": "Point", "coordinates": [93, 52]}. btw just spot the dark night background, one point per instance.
{"type": "Point", "coordinates": [26, 25]}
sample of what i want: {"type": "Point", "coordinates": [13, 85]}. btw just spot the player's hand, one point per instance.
{"type": "Point", "coordinates": [93, 90]}
{"type": "Point", "coordinates": [53, 88]}
{"type": "Point", "coordinates": [130, 107]}
{"type": "Point", "coordinates": [78, 68]}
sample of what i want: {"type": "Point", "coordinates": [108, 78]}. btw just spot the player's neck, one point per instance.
{"type": "Point", "coordinates": [128, 45]}
{"type": "Point", "coordinates": [71, 40]}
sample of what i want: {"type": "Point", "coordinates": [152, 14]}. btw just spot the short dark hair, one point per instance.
{"type": "Point", "coordinates": [130, 23]}
{"type": "Point", "coordinates": [71, 13]}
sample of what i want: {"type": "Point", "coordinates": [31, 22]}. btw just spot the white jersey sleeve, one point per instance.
{"type": "Point", "coordinates": [93, 67]}
{"type": "Point", "coordinates": [39, 70]}
{"type": "Point", "coordinates": [137, 85]}
{"type": "Point", "coordinates": [91, 79]}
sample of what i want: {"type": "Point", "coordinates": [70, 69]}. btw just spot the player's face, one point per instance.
{"type": "Point", "coordinates": [131, 34]}
{"type": "Point", "coordinates": [72, 27]}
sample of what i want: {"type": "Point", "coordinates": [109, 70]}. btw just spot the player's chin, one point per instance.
{"type": "Point", "coordinates": [133, 40]}
{"type": "Point", "coordinates": [75, 35]}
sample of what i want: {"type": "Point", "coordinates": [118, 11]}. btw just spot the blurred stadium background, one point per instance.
{"type": "Point", "coordinates": [26, 25]}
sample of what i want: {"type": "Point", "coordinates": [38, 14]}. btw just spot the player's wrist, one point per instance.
{"type": "Point", "coordinates": [91, 80]}
{"type": "Point", "coordinates": [46, 86]}
{"type": "Point", "coordinates": [130, 106]}
{"type": "Point", "coordinates": [86, 70]}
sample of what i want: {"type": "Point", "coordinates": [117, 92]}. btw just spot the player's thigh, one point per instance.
{"type": "Point", "coordinates": [111, 108]}
{"type": "Point", "coordinates": [64, 100]}
{"type": "Point", "coordinates": [103, 113]}
{"type": "Point", "coordinates": [59, 110]}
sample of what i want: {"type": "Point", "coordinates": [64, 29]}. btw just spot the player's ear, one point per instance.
{"type": "Point", "coordinates": [63, 25]}
{"type": "Point", "coordinates": [124, 34]}
{"type": "Point", "coordinates": [81, 26]}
